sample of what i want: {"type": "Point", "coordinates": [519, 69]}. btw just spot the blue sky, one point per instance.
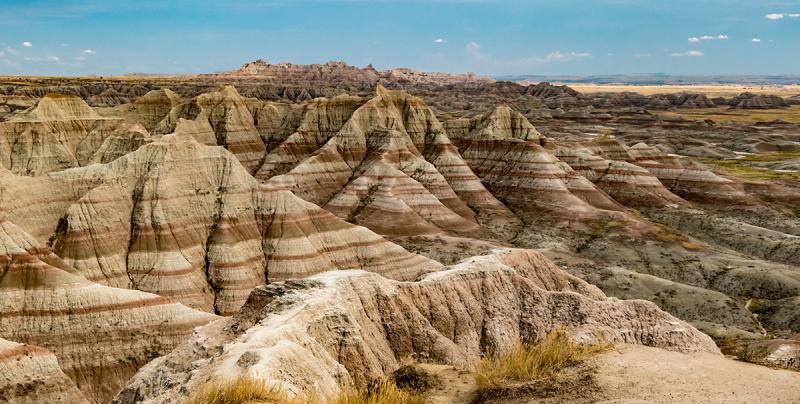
{"type": "Point", "coordinates": [493, 37]}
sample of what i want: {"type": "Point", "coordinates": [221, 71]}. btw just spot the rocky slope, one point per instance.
{"type": "Point", "coordinates": [58, 132]}
{"type": "Point", "coordinates": [30, 374]}
{"type": "Point", "coordinates": [185, 220]}
{"type": "Point", "coordinates": [213, 198]}
{"type": "Point", "coordinates": [310, 336]}
{"type": "Point", "coordinates": [99, 334]}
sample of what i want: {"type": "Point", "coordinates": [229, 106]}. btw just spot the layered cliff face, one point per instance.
{"type": "Point", "coordinates": [57, 133]}
{"type": "Point", "coordinates": [100, 335]}
{"type": "Point", "coordinates": [627, 183]}
{"type": "Point", "coordinates": [505, 151]}
{"type": "Point", "coordinates": [312, 335]}
{"type": "Point", "coordinates": [186, 221]}
{"type": "Point", "coordinates": [221, 118]}
{"type": "Point", "coordinates": [685, 178]}
{"type": "Point", "coordinates": [30, 375]}
{"type": "Point", "coordinates": [386, 163]}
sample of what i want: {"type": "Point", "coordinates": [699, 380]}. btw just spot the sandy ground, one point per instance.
{"type": "Point", "coordinates": [639, 374]}
{"type": "Point", "coordinates": [709, 90]}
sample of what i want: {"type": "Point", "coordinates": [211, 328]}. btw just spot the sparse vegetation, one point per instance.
{"type": "Point", "coordinates": [747, 168]}
{"type": "Point", "coordinates": [248, 390]}
{"type": "Point", "coordinates": [737, 116]}
{"type": "Point", "coordinates": [528, 362]}
{"type": "Point", "coordinates": [382, 391]}
{"type": "Point", "coordinates": [666, 234]}
{"type": "Point", "coordinates": [411, 377]}
{"type": "Point", "coordinates": [242, 390]}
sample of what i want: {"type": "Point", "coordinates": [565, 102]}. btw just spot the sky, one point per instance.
{"type": "Point", "coordinates": [488, 37]}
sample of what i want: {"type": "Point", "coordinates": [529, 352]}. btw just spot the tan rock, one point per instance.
{"type": "Point", "coordinates": [30, 375]}
{"type": "Point", "coordinates": [312, 335]}
{"type": "Point", "coordinates": [100, 335]}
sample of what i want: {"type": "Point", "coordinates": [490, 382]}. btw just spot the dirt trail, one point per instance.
{"type": "Point", "coordinates": [638, 374]}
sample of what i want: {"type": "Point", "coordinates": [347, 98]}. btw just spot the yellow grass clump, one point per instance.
{"type": "Point", "coordinates": [528, 362]}
{"type": "Point", "coordinates": [247, 390]}
{"type": "Point", "coordinates": [242, 390]}
{"type": "Point", "coordinates": [381, 391]}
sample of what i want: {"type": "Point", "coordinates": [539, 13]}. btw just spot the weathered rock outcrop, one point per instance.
{"type": "Point", "coordinates": [312, 335]}
{"type": "Point", "coordinates": [57, 133]}
{"type": "Point", "coordinates": [386, 163]}
{"type": "Point", "coordinates": [527, 176]}
{"type": "Point", "coordinates": [757, 101]}
{"type": "Point", "coordinates": [30, 375]}
{"type": "Point", "coordinates": [627, 183]}
{"type": "Point", "coordinates": [185, 220]}
{"type": "Point", "coordinates": [100, 335]}
{"type": "Point", "coordinates": [690, 180]}
{"type": "Point", "coordinates": [222, 118]}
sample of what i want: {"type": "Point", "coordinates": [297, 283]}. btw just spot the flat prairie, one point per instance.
{"type": "Point", "coordinates": [710, 90]}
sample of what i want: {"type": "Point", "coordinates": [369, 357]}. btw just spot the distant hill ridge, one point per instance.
{"type": "Point", "coordinates": [340, 70]}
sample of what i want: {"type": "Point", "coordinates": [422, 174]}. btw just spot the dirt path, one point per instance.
{"type": "Point", "coordinates": [636, 374]}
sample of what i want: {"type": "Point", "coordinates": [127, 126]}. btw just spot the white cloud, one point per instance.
{"type": "Point", "coordinates": [473, 47]}
{"type": "Point", "coordinates": [691, 53]}
{"type": "Point", "coordinates": [557, 56]}
{"type": "Point", "coordinates": [10, 51]}
{"type": "Point", "coordinates": [755, 40]}
{"type": "Point", "coordinates": [775, 16]}
{"type": "Point", "coordinates": [720, 37]}
{"type": "Point", "coordinates": [53, 58]}
{"type": "Point", "coordinates": [80, 58]}
{"type": "Point", "coordinates": [439, 40]}
{"type": "Point", "coordinates": [794, 15]}
{"type": "Point", "coordinates": [89, 51]}
{"type": "Point", "coordinates": [27, 44]}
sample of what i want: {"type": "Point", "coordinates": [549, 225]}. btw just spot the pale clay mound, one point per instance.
{"type": "Point", "coordinates": [100, 335]}
{"type": "Point", "coordinates": [312, 335]}
{"type": "Point", "coordinates": [57, 133]}
{"type": "Point", "coordinates": [186, 221]}
{"type": "Point", "coordinates": [130, 205]}
{"type": "Point", "coordinates": [30, 375]}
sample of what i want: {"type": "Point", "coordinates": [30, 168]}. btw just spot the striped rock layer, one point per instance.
{"type": "Point", "coordinates": [30, 375]}
{"type": "Point", "coordinates": [57, 133]}
{"type": "Point", "coordinates": [690, 180]}
{"type": "Point", "coordinates": [221, 118]}
{"type": "Point", "coordinates": [100, 335]}
{"type": "Point", "coordinates": [313, 335]}
{"type": "Point", "coordinates": [186, 221]}
{"type": "Point", "coordinates": [627, 183]}
{"type": "Point", "coordinates": [386, 163]}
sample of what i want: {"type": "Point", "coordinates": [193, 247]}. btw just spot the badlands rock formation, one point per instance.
{"type": "Point", "coordinates": [125, 226]}
{"type": "Point", "coordinates": [186, 221]}
{"type": "Point", "coordinates": [312, 335]}
{"type": "Point", "coordinates": [386, 163]}
{"type": "Point", "coordinates": [341, 72]}
{"type": "Point", "coordinates": [30, 374]}
{"type": "Point", "coordinates": [58, 132]}
{"type": "Point", "coordinates": [99, 334]}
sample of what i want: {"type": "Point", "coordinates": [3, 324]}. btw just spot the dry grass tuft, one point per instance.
{"type": "Point", "coordinates": [381, 391]}
{"type": "Point", "coordinates": [528, 362]}
{"type": "Point", "coordinates": [242, 390]}
{"type": "Point", "coordinates": [411, 377]}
